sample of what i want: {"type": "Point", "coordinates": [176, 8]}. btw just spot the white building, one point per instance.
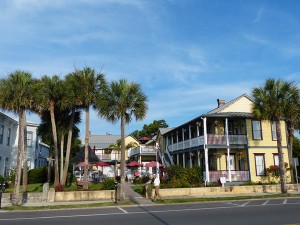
{"type": "Point", "coordinates": [38, 152]}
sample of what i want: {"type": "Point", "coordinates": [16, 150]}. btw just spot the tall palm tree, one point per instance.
{"type": "Point", "coordinates": [50, 94]}
{"type": "Point", "coordinates": [16, 96]}
{"type": "Point", "coordinates": [292, 117]}
{"type": "Point", "coordinates": [270, 103]}
{"type": "Point", "coordinates": [120, 101]}
{"type": "Point", "coordinates": [87, 83]}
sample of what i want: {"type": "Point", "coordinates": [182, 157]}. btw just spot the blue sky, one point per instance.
{"type": "Point", "coordinates": [185, 53]}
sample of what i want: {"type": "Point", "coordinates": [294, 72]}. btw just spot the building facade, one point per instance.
{"type": "Point", "coordinates": [226, 142]}
{"type": "Point", "coordinates": [38, 152]}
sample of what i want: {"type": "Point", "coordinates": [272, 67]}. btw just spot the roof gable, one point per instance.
{"type": "Point", "coordinates": [241, 104]}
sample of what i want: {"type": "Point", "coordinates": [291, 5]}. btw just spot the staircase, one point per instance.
{"type": "Point", "coordinates": [166, 158]}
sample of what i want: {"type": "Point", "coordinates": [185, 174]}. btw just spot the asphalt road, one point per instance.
{"type": "Point", "coordinates": [246, 212]}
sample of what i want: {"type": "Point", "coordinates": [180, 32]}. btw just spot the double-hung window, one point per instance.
{"type": "Point", "coordinates": [273, 128]}
{"type": "Point", "coordinates": [8, 136]}
{"type": "Point", "coordinates": [29, 139]}
{"type": "Point", "coordinates": [256, 130]}
{"type": "Point", "coordinates": [276, 159]}
{"type": "Point", "coordinates": [260, 164]}
{"type": "Point", "coordinates": [1, 134]}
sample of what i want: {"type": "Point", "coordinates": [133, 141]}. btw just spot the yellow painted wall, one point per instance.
{"type": "Point", "coordinates": [241, 105]}
{"type": "Point", "coordinates": [266, 146]}
{"type": "Point", "coordinates": [128, 140]}
{"type": "Point", "coordinates": [266, 134]}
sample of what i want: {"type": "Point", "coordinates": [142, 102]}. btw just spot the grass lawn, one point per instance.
{"type": "Point", "coordinates": [31, 188]}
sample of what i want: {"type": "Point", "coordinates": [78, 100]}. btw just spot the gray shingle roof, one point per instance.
{"type": "Point", "coordinates": [165, 130]}
{"type": "Point", "coordinates": [103, 141]}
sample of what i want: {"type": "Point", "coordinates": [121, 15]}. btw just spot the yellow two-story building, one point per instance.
{"type": "Point", "coordinates": [227, 141]}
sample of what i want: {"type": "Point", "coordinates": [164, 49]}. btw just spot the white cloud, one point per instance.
{"type": "Point", "coordinates": [259, 14]}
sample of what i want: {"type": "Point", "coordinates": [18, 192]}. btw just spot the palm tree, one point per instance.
{"type": "Point", "coordinates": [50, 94]}
{"type": "Point", "coordinates": [270, 103]}
{"type": "Point", "coordinates": [119, 101]}
{"type": "Point", "coordinates": [292, 117]}
{"type": "Point", "coordinates": [87, 83]}
{"type": "Point", "coordinates": [15, 96]}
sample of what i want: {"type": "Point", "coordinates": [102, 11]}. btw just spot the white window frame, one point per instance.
{"type": "Point", "coordinates": [8, 136]}
{"type": "Point", "coordinates": [256, 130]}
{"type": "Point", "coordinates": [1, 134]}
{"type": "Point", "coordinates": [260, 164]}
{"type": "Point", "coordinates": [29, 139]}
{"type": "Point", "coordinates": [273, 130]}
{"type": "Point", "coordinates": [276, 159]}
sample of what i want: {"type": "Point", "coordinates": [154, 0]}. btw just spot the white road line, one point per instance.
{"type": "Point", "coordinates": [285, 201]}
{"type": "Point", "coordinates": [230, 203]}
{"type": "Point", "coordinates": [143, 212]}
{"type": "Point", "coordinates": [246, 203]}
{"type": "Point", "coordinates": [123, 210]}
{"type": "Point", "coordinates": [266, 202]}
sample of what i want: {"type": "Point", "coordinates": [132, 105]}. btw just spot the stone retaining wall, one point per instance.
{"type": "Point", "coordinates": [211, 191]}
{"type": "Point", "coordinates": [53, 196]}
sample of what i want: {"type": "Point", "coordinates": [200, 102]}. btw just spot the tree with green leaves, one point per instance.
{"type": "Point", "coordinates": [292, 118]}
{"type": "Point", "coordinates": [270, 103]}
{"type": "Point", "coordinates": [150, 130]}
{"type": "Point", "coordinates": [122, 101]}
{"type": "Point", "coordinates": [49, 96]}
{"type": "Point", "coordinates": [16, 97]}
{"type": "Point", "coordinates": [87, 84]}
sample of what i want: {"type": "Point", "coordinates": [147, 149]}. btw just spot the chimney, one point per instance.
{"type": "Point", "coordinates": [220, 102]}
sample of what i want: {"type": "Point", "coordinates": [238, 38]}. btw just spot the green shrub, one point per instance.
{"type": "Point", "coordinates": [37, 175]}
{"type": "Point", "coordinates": [180, 177]}
{"type": "Point", "coordinates": [109, 184]}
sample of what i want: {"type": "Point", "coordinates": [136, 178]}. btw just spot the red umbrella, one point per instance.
{"type": "Point", "coordinates": [102, 164]}
{"type": "Point", "coordinates": [144, 139]}
{"type": "Point", "coordinates": [82, 164]}
{"type": "Point", "coordinates": [153, 164]}
{"type": "Point", "coordinates": [134, 164]}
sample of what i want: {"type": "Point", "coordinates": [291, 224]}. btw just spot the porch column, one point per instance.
{"type": "Point", "coordinates": [205, 151]}
{"type": "Point", "coordinates": [177, 159]}
{"type": "Point", "coordinates": [191, 165]}
{"type": "Point", "coordinates": [182, 133]}
{"type": "Point", "coordinates": [198, 157]}
{"type": "Point", "coordinates": [228, 150]}
{"type": "Point", "coordinates": [183, 157]}
{"type": "Point", "coordinates": [198, 131]}
{"type": "Point", "coordinates": [177, 140]}
{"type": "Point", "coordinates": [190, 136]}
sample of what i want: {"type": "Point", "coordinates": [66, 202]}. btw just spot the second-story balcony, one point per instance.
{"type": "Point", "coordinates": [109, 157]}
{"type": "Point", "coordinates": [212, 140]}
{"type": "Point", "coordinates": [142, 150]}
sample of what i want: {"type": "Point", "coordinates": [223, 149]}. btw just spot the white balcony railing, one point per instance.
{"type": "Point", "coordinates": [142, 150]}
{"type": "Point", "coordinates": [212, 139]}
{"type": "Point", "coordinates": [109, 157]}
{"type": "Point", "coordinates": [236, 175]}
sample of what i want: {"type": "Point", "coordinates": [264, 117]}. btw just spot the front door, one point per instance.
{"type": "Point", "coordinates": [232, 162]}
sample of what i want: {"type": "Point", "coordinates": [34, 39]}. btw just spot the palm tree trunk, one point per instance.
{"type": "Point", "coordinates": [54, 133]}
{"type": "Point", "coordinates": [280, 156]}
{"type": "Point", "coordinates": [49, 168]}
{"type": "Point", "coordinates": [290, 129]}
{"type": "Point", "coordinates": [69, 141]}
{"type": "Point", "coordinates": [62, 143]}
{"type": "Point", "coordinates": [86, 148]}
{"type": "Point", "coordinates": [25, 155]}
{"type": "Point", "coordinates": [15, 197]}
{"type": "Point", "coordinates": [122, 191]}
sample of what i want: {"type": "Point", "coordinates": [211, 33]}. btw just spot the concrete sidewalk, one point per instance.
{"type": "Point", "coordinates": [134, 197]}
